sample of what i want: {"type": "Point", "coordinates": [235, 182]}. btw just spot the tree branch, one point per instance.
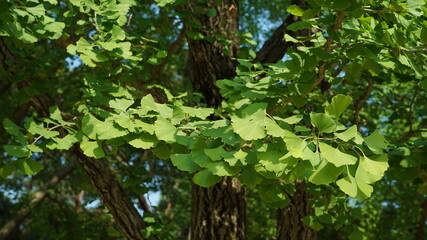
{"type": "Point", "coordinates": [172, 48]}
{"type": "Point", "coordinates": [276, 46]}
{"type": "Point", "coordinates": [360, 102]}
{"type": "Point", "coordinates": [379, 11]}
{"type": "Point", "coordinates": [98, 170]}
{"type": "Point", "coordinates": [328, 49]}
{"type": "Point", "coordinates": [39, 196]}
{"type": "Point", "coordinates": [411, 131]}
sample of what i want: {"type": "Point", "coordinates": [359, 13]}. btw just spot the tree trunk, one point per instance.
{"type": "Point", "coordinates": [210, 60]}
{"type": "Point", "coordinates": [289, 223]}
{"type": "Point", "coordinates": [112, 194]}
{"type": "Point", "coordinates": [218, 212]}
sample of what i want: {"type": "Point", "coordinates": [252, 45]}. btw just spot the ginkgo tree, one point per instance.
{"type": "Point", "coordinates": [305, 122]}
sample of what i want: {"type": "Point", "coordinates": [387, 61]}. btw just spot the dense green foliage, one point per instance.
{"type": "Point", "coordinates": [344, 111]}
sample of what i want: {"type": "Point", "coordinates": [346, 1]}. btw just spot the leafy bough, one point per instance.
{"type": "Point", "coordinates": [247, 143]}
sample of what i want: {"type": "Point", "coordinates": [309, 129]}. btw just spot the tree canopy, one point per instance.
{"type": "Point", "coordinates": [296, 119]}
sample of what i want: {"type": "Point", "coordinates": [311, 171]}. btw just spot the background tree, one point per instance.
{"type": "Point", "coordinates": [282, 135]}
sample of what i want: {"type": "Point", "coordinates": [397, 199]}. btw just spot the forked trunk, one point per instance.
{"type": "Point", "coordinates": [218, 212]}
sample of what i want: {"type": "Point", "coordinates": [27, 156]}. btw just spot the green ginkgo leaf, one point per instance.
{"type": "Point", "coordinates": [205, 178]}
{"type": "Point", "coordinates": [92, 149]}
{"type": "Point", "coordinates": [273, 129]}
{"type": "Point", "coordinates": [222, 168]}
{"type": "Point", "coordinates": [120, 104]}
{"type": "Point", "coordinates": [272, 161]}
{"type": "Point", "coordinates": [215, 153]}
{"type": "Point", "coordinates": [162, 3]}
{"type": "Point", "coordinates": [349, 134]}
{"type": "Point", "coordinates": [376, 165]}
{"type": "Point", "coordinates": [322, 122]}
{"type": "Point", "coordinates": [11, 127]}
{"type": "Point", "coordinates": [295, 10]}
{"type": "Point", "coordinates": [184, 162]}
{"type": "Point", "coordinates": [376, 142]}
{"type": "Point", "coordinates": [338, 105]}
{"type": "Point", "coordinates": [248, 129]}
{"type": "Point", "coordinates": [144, 140]}
{"type": "Point", "coordinates": [355, 188]}
{"type": "Point", "coordinates": [164, 130]}
{"type": "Point", "coordinates": [17, 151]}
{"type": "Point", "coordinates": [28, 166]}
{"type": "Point", "coordinates": [298, 147]}
{"type": "Point", "coordinates": [335, 156]}
{"type": "Point", "coordinates": [325, 173]}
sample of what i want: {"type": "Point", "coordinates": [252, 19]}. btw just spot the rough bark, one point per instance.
{"type": "Point", "coordinates": [98, 170]}
{"type": "Point", "coordinates": [112, 194]}
{"type": "Point", "coordinates": [289, 223]}
{"type": "Point", "coordinates": [39, 196]}
{"type": "Point", "coordinates": [207, 63]}
{"type": "Point", "coordinates": [210, 60]}
{"type": "Point", "coordinates": [218, 212]}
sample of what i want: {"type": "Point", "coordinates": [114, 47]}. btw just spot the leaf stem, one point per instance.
{"type": "Point", "coordinates": [50, 129]}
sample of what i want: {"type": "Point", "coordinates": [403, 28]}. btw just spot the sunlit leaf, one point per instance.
{"type": "Point", "coordinates": [162, 3]}
{"type": "Point", "coordinates": [323, 122]}
{"type": "Point", "coordinates": [325, 173]}
{"type": "Point", "coordinates": [376, 165]}
{"type": "Point", "coordinates": [184, 162]}
{"type": "Point", "coordinates": [350, 134]}
{"type": "Point", "coordinates": [215, 153]}
{"type": "Point", "coordinates": [92, 149]}
{"type": "Point", "coordinates": [248, 129]}
{"type": "Point", "coordinates": [355, 188]}
{"type": "Point", "coordinates": [121, 104]}
{"type": "Point", "coordinates": [164, 130]}
{"type": "Point", "coordinates": [222, 168]}
{"type": "Point", "coordinates": [338, 105]}
{"type": "Point", "coordinates": [376, 142]}
{"type": "Point", "coordinates": [335, 156]}
{"type": "Point", "coordinates": [295, 10]}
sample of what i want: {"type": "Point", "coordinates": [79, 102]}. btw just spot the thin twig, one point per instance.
{"type": "Point", "coordinates": [411, 108]}
{"type": "Point", "coordinates": [172, 48]}
{"type": "Point", "coordinates": [360, 102]}
{"type": "Point", "coordinates": [39, 137]}
{"type": "Point", "coordinates": [411, 131]}
{"type": "Point", "coordinates": [129, 19]}
{"type": "Point", "coordinates": [379, 11]}
{"type": "Point", "coordinates": [95, 22]}
{"type": "Point", "coordinates": [328, 49]}
{"type": "Point", "coordinates": [319, 138]}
